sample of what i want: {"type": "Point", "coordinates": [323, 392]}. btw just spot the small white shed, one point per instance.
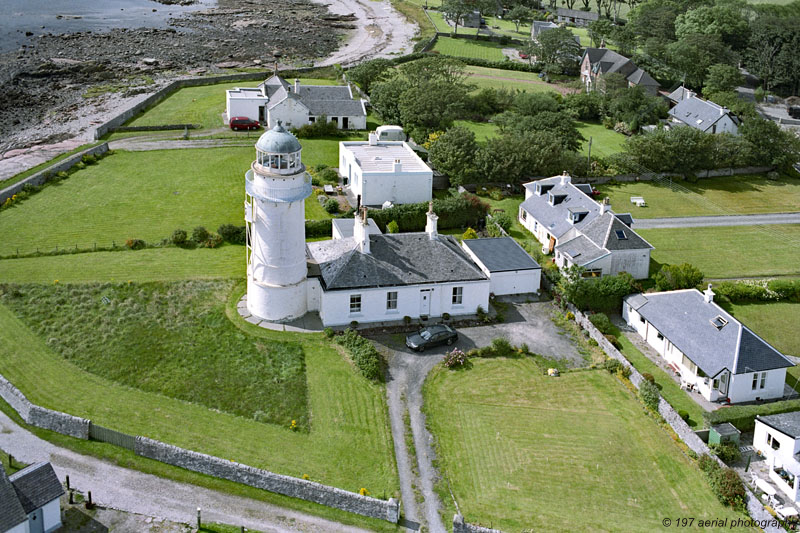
{"type": "Point", "coordinates": [510, 269]}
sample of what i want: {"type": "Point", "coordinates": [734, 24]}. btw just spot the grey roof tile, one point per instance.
{"type": "Point", "coordinates": [577, 13]}
{"type": "Point", "coordinates": [501, 254]}
{"type": "Point", "coordinates": [11, 511]}
{"type": "Point", "coordinates": [786, 423]}
{"type": "Point", "coordinates": [581, 250]}
{"type": "Point", "coordinates": [554, 217]}
{"type": "Point", "coordinates": [605, 61]}
{"type": "Point", "coordinates": [36, 486]}
{"type": "Point", "coordinates": [698, 113]}
{"type": "Point", "coordinates": [603, 231]}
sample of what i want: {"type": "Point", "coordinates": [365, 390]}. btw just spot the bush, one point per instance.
{"type": "Point", "coordinates": [329, 333]}
{"type": "Point", "coordinates": [445, 316]}
{"type": "Point", "coordinates": [502, 348]}
{"type": "Point", "coordinates": [725, 482]}
{"type": "Point", "coordinates": [570, 315]}
{"type": "Point", "coordinates": [603, 323]}
{"type": "Point", "coordinates": [135, 244]}
{"type": "Point", "coordinates": [648, 393]}
{"type": "Point", "coordinates": [743, 416]}
{"type": "Point", "coordinates": [80, 165]}
{"type": "Point", "coordinates": [675, 277]}
{"type": "Point", "coordinates": [318, 228]}
{"type": "Point", "coordinates": [727, 452]}
{"type": "Point", "coordinates": [684, 415]}
{"type": "Point", "coordinates": [392, 227]}
{"type": "Point", "coordinates": [213, 241]}
{"type": "Point", "coordinates": [200, 234]}
{"type": "Point", "coordinates": [465, 210]}
{"type": "Point", "coordinates": [88, 159]}
{"type": "Point", "coordinates": [613, 366]}
{"type": "Point", "coordinates": [179, 237]}
{"type": "Point", "coordinates": [647, 376]}
{"type": "Point", "coordinates": [455, 359]}
{"type": "Point", "coordinates": [332, 206]}
{"type": "Point", "coordinates": [469, 234]}
{"type": "Point", "coordinates": [233, 234]}
{"type": "Point", "coordinates": [362, 352]}
{"type": "Point", "coordinates": [785, 289]}
{"type": "Point", "coordinates": [613, 340]}
{"type": "Point", "coordinates": [321, 127]}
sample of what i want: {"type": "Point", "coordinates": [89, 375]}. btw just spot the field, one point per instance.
{"type": "Point", "coordinates": [482, 130]}
{"type": "Point", "coordinates": [202, 105]}
{"type": "Point", "coordinates": [466, 48]}
{"type": "Point", "coordinates": [576, 453]}
{"type": "Point", "coordinates": [605, 142]}
{"type": "Point", "coordinates": [761, 318]}
{"type": "Point", "coordinates": [495, 78]}
{"type": "Point", "coordinates": [142, 195]}
{"type": "Point", "coordinates": [729, 252]}
{"type": "Point", "coordinates": [349, 413]}
{"type": "Point", "coordinates": [726, 195]}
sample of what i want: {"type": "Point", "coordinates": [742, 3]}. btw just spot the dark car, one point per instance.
{"type": "Point", "coordinates": [244, 123]}
{"type": "Point", "coordinates": [431, 336]}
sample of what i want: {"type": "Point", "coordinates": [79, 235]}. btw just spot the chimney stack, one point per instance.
{"type": "Point", "coordinates": [296, 86]}
{"type": "Point", "coordinates": [361, 231]}
{"type": "Point", "coordinates": [431, 226]}
{"type": "Point", "coordinates": [605, 207]}
{"type": "Point", "coordinates": [565, 178]}
{"type": "Point", "coordinates": [398, 166]}
{"type": "Point", "coordinates": [373, 138]}
{"type": "Point", "coordinates": [708, 294]}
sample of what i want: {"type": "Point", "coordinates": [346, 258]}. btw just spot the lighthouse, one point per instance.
{"type": "Point", "coordinates": [276, 187]}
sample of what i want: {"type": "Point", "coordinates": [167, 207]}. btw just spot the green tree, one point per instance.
{"type": "Point", "coordinates": [635, 106]}
{"type": "Point", "coordinates": [770, 144]}
{"type": "Point", "coordinates": [562, 126]}
{"type": "Point", "coordinates": [519, 14]}
{"type": "Point", "coordinates": [430, 107]}
{"type": "Point", "coordinates": [694, 53]}
{"type": "Point", "coordinates": [369, 72]}
{"type": "Point", "coordinates": [526, 103]}
{"type": "Point", "coordinates": [385, 97]}
{"type": "Point", "coordinates": [392, 227]}
{"type": "Point", "coordinates": [657, 151]}
{"type": "Point", "coordinates": [676, 277]}
{"type": "Point", "coordinates": [556, 49]}
{"type": "Point", "coordinates": [766, 41]}
{"type": "Point", "coordinates": [453, 153]}
{"type": "Point", "coordinates": [448, 70]}
{"type": "Point", "coordinates": [454, 10]}
{"type": "Point", "coordinates": [726, 19]}
{"type": "Point", "coordinates": [600, 30]}
{"type": "Point", "coordinates": [722, 78]}
{"type": "Point", "coordinates": [655, 19]}
{"type": "Point", "coordinates": [514, 158]}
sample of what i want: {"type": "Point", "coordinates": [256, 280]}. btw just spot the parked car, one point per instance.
{"type": "Point", "coordinates": [431, 336]}
{"type": "Point", "coordinates": [244, 123]}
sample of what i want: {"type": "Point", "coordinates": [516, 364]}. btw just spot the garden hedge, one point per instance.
{"type": "Point", "coordinates": [744, 416]}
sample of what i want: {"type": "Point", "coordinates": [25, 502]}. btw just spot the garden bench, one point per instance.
{"type": "Point", "coordinates": [638, 200]}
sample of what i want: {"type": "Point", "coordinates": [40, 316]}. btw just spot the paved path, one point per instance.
{"type": "Point", "coordinates": [722, 220]}
{"type": "Point", "coordinates": [135, 492]}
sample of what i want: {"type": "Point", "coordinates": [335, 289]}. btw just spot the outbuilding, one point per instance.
{"type": "Point", "coordinates": [30, 500]}
{"type": "Point", "coordinates": [509, 268]}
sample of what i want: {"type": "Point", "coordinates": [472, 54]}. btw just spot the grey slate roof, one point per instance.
{"type": "Point", "coordinates": [346, 225]}
{"type": "Point", "coordinates": [554, 217]}
{"type": "Point", "coordinates": [698, 113]}
{"type": "Point", "coordinates": [605, 61]}
{"type": "Point", "coordinates": [786, 423]}
{"type": "Point", "coordinates": [685, 318]}
{"type": "Point", "coordinates": [540, 26]}
{"type": "Point", "coordinates": [328, 100]}
{"type": "Point", "coordinates": [581, 250]}
{"type": "Point", "coordinates": [11, 511]}
{"type": "Point", "coordinates": [680, 94]}
{"type": "Point", "coordinates": [394, 260]}
{"type": "Point", "coordinates": [625, 218]}
{"type": "Point", "coordinates": [603, 232]}
{"type": "Point", "coordinates": [501, 254]}
{"type": "Point", "coordinates": [577, 13]}
{"type": "Point", "coordinates": [36, 486]}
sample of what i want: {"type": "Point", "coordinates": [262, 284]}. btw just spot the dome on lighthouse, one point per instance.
{"type": "Point", "coordinates": [278, 141]}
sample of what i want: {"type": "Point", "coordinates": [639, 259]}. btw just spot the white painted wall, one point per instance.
{"type": "Point", "coordinates": [515, 282]}
{"type": "Point", "coordinates": [634, 262]}
{"type": "Point", "coordinates": [291, 112]}
{"type": "Point", "coordinates": [237, 106]}
{"type": "Point", "coordinates": [335, 305]}
{"type": "Point", "coordinates": [20, 528]}
{"type": "Point", "coordinates": [742, 386]}
{"type": "Point", "coordinates": [788, 445]}
{"type": "Point", "coordinates": [398, 188]}
{"type": "Point", "coordinates": [531, 224]}
{"type": "Point", "coordinates": [52, 515]}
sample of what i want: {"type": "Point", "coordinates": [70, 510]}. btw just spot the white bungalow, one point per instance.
{"type": "Point", "coordinates": [712, 351]}
{"type": "Point", "coordinates": [30, 500]}
{"type": "Point", "coordinates": [777, 438]}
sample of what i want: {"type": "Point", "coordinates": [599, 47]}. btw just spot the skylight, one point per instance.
{"type": "Point", "coordinates": [719, 322]}
{"type": "Point", "coordinates": [621, 234]}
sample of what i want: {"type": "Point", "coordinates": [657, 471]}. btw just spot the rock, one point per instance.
{"type": "Point", "coordinates": [149, 61]}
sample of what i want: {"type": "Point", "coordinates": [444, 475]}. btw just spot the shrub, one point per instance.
{"type": "Point", "coordinates": [318, 228]}
{"type": "Point", "coordinates": [80, 165]}
{"type": "Point", "coordinates": [392, 227]}
{"type": "Point", "coordinates": [200, 234]}
{"type": "Point", "coordinates": [649, 377]}
{"type": "Point", "coordinates": [232, 234]}
{"type": "Point", "coordinates": [469, 234]}
{"type": "Point", "coordinates": [213, 241]}
{"type": "Point", "coordinates": [135, 244]}
{"type": "Point", "coordinates": [329, 333]}
{"type": "Point", "coordinates": [570, 315]}
{"type": "Point", "coordinates": [725, 482]}
{"type": "Point", "coordinates": [354, 324]}
{"type": "Point", "coordinates": [727, 452]}
{"type": "Point", "coordinates": [332, 206]}
{"type": "Point", "coordinates": [603, 323]}
{"type": "Point", "coordinates": [445, 316]}
{"type": "Point", "coordinates": [362, 352]}
{"type": "Point", "coordinates": [613, 340]}
{"type": "Point", "coordinates": [612, 365]}
{"type": "Point", "coordinates": [683, 414]}
{"type": "Point", "coordinates": [407, 320]}
{"type": "Point", "coordinates": [328, 175]}
{"type": "Point", "coordinates": [88, 159]}
{"type": "Point", "coordinates": [648, 393]}
{"type": "Point", "coordinates": [674, 277]}
{"type": "Point", "coordinates": [179, 237]}
{"type": "Point", "coordinates": [483, 316]}
{"type": "Point", "coordinates": [502, 348]}
{"type": "Point", "coordinates": [455, 359]}
{"type": "Point", "coordinates": [496, 194]}
{"type": "Point", "coordinates": [743, 416]}
{"type": "Point", "coordinates": [321, 127]}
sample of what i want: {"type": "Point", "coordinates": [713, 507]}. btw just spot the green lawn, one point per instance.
{"type": "Point", "coordinates": [775, 322]}
{"type": "Point", "coordinates": [482, 130]}
{"type": "Point", "coordinates": [729, 252]}
{"type": "Point", "coordinates": [726, 195]}
{"type": "Point", "coordinates": [670, 390]}
{"type": "Point", "coordinates": [467, 48]}
{"type": "Point", "coordinates": [605, 142]}
{"type": "Point", "coordinates": [202, 105]}
{"type": "Point", "coordinates": [522, 451]}
{"type": "Point", "coordinates": [142, 195]}
{"type": "Point", "coordinates": [347, 412]}
{"type": "Point", "coordinates": [495, 78]}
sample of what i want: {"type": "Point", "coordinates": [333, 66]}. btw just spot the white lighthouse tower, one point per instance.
{"type": "Point", "coordinates": [276, 185]}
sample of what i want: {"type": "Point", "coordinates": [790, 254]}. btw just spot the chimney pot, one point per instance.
{"type": "Point", "coordinates": [373, 138]}
{"type": "Point", "coordinates": [708, 295]}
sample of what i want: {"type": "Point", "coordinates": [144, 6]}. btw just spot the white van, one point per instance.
{"type": "Point", "coordinates": [390, 133]}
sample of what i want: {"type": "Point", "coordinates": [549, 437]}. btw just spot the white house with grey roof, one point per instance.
{"type": "Point", "coordinates": [777, 439]}
{"type": "Point", "coordinates": [510, 269]}
{"type": "Point", "coordinates": [296, 105]}
{"type": "Point", "coordinates": [384, 171]}
{"type": "Point", "coordinates": [700, 114]}
{"type": "Point", "coordinates": [711, 350]}
{"type": "Point", "coordinates": [598, 62]}
{"type": "Point", "coordinates": [30, 500]}
{"type": "Point", "coordinates": [580, 231]}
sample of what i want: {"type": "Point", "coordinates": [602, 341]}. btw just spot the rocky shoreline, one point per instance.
{"type": "Point", "coordinates": [53, 87]}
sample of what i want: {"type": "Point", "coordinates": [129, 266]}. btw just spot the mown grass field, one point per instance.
{"type": "Point", "coordinates": [522, 451]}
{"type": "Point", "coordinates": [605, 142]}
{"type": "Point", "coordinates": [496, 78]}
{"type": "Point", "coordinates": [729, 252]}
{"type": "Point", "coordinates": [349, 412]}
{"type": "Point", "coordinates": [202, 105]}
{"type": "Point", "coordinates": [725, 195]}
{"type": "Point", "coordinates": [141, 195]}
{"type": "Point", "coordinates": [466, 48]}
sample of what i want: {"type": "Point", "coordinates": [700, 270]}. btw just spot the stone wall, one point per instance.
{"type": "Point", "coordinates": [262, 479]}
{"type": "Point", "coordinates": [40, 417]}
{"type": "Point", "coordinates": [14, 398]}
{"type": "Point", "coordinates": [42, 176]}
{"type": "Point", "coordinates": [654, 176]}
{"type": "Point", "coordinates": [459, 526]}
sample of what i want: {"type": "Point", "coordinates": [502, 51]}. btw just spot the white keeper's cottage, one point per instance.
{"type": "Point", "coordinates": [361, 274]}
{"type": "Point", "coordinates": [30, 500]}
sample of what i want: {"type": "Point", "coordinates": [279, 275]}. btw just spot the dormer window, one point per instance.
{"type": "Point", "coordinates": [719, 322]}
{"type": "Point", "coordinates": [555, 199]}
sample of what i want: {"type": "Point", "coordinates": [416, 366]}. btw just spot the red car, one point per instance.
{"type": "Point", "coordinates": [244, 123]}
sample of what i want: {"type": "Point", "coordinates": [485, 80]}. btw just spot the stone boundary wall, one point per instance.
{"type": "Point", "coordinates": [262, 479]}
{"type": "Point", "coordinates": [754, 505]}
{"type": "Point", "coordinates": [654, 176]}
{"type": "Point", "coordinates": [206, 464]}
{"type": "Point", "coordinates": [40, 177]}
{"type": "Point", "coordinates": [40, 417]}
{"type": "Point", "coordinates": [162, 127]}
{"type": "Point", "coordinates": [171, 87]}
{"type": "Point", "coordinates": [459, 526]}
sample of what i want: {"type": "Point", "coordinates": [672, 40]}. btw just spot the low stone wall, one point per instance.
{"type": "Point", "coordinates": [459, 526]}
{"type": "Point", "coordinates": [654, 176]}
{"type": "Point", "coordinates": [40, 417]}
{"type": "Point", "coordinates": [262, 479]}
{"type": "Point", "coordinates": [43, 175]}
{"type": "Point", "coordinates": [162, 127]}
{"type": "Point", "coordinates": [14, 398]}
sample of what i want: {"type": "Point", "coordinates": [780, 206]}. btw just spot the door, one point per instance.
{"type": "Point", "coordinates": [261, 114]}
{"type": "Point", "coordinates": [425, 302]}
{"type": "Point", "coordinates": [345, 123]}
{"type": "Point", "coordinates": [36, 521]}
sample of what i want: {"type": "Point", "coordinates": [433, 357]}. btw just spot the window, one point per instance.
{"type": "Point", "coordinates": [759, 380]}
{"type": "Point", "coordinates": [391, 301]}
{"type": "Point", "coordinates": [535, 226]}
{"type": "Point", "coordinates": [763, 380]}
{"type": "Point", "coordinates": [659, 336]}
{"type": "Point", "coordinates": [523, 215]}
{"type": "Point", "coordinates": [311, 120]}
{"type": "Point", "coordinates": [719, 322]}
{"type": "Point", "coordinates": [773, 442]}
{"type": "Point", "coordinates": [641, 319]}
{"type": "Point", "coordinates": [355, 303]}
{"type": "Point", "coordinates": [689, 364]}
{"type": "Point", "coordinates": [458, 295]}
{"type": "Point", "coordinates": [621, 235]}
